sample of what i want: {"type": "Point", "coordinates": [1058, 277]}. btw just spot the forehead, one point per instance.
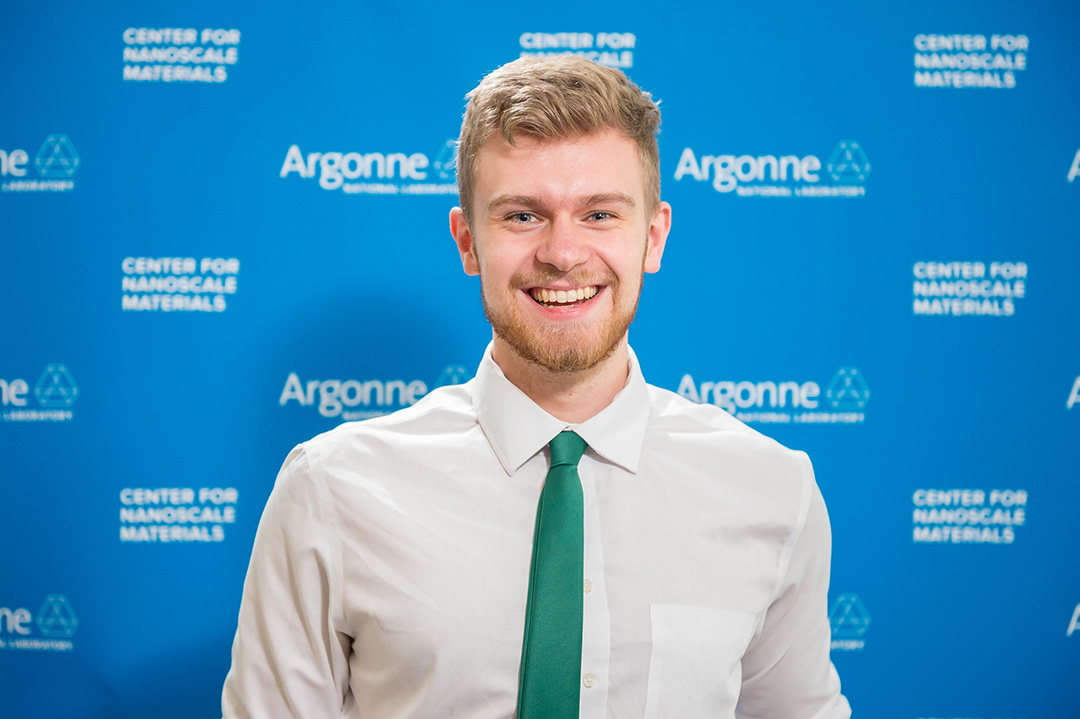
{"type": "Point", "coordinates": [556, 169]}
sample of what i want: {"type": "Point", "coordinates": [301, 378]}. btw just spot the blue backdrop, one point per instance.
{"type": "Point", "coordinates": [224, 231]}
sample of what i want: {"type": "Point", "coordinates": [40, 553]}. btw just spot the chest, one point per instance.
{"type": "Point", "coordinates": [438, 562]}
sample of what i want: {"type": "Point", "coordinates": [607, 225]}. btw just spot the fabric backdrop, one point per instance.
{"type": "Point", "coordinates": [224, 230]}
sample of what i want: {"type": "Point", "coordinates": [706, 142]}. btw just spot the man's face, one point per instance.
{"type": "Point", "coordinates": [560, 236]}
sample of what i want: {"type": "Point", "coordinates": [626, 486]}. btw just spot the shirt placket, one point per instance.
{"type": "Point", "coordinates": [596, 624]}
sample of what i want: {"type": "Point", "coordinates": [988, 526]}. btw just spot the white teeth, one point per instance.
{"type": "Point", "coordinates": [562, 297]}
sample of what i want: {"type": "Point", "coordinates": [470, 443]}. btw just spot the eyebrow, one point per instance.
{"type": "Point", "coordinates": [528, 201]}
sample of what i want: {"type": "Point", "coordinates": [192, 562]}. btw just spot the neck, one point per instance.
{"type": "Point", "coordinates": [570, 396]}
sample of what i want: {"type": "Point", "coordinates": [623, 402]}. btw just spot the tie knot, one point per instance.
{"type": "Point", "coordinates": [566, 449]}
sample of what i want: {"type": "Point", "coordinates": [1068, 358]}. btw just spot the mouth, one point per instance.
{"type": "Point", "coordinates": [563, 298]}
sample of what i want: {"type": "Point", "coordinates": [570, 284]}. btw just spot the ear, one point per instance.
{"type": "Point", "coordinates": [659, 228]}
{"type": "Point", "coordinates": [459, 228]}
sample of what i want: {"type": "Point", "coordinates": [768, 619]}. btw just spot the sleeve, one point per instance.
{"type": "Point", "coordinates": [288, 660]}
{"type": "Point", "coordinates": [786, 670]}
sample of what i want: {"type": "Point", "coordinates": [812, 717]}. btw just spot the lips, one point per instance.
{"type": "Point", "coordinates": [563, 297]}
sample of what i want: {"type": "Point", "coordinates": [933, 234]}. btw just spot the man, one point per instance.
{"type": "Point", "coordinates": [556, 537]}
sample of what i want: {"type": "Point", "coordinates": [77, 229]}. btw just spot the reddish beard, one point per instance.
{"type": "Point", "coordinates": [565, 346]}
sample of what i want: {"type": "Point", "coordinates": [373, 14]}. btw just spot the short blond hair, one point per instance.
{"type": "Point", "coordinates": [557, 97]}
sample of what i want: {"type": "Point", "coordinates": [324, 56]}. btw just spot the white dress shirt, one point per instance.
{"type": "Point", "coordinates": [390, 569]}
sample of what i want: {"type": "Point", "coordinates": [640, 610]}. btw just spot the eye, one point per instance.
{"type": "Point", "coordinates": [601, 215]}
{"type": "Point", "coordinates": [522, 218]}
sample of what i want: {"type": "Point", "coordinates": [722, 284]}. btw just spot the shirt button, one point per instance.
{"type": "Point", "coordinates": [588, 586]}
{"type": "Point", "coordinates": [589, 680]}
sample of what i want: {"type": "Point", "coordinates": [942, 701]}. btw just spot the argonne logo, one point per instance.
{"type": "Point", "coordinates": [55, 387]}
{"type": "Point", "coordinates": [376, 173]}
{"type": "Point", "coordinates": [56, 161]}
{"type": "Point", "coordinates": [57, 157]}
{"type": "Point", "coordinates": [56, 621]}
{"type": "Point", "coordinates": [56, 618]}
{"type": "Point", "coordinates": [781, 175]}
{"type": "Point", "coordinates": [371, 398]}
{"type": "Point", "coordinates": [785, 402]}
{"type": "Point", "coordinates": [848, 617]}
{"type": "Point", "coordinates": [55, 391]}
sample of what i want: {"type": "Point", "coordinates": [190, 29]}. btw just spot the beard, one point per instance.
{"type": "Point", "coordinates": [567, 346]}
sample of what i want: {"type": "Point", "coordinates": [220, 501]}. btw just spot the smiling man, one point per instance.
{"type": "Point", "coordinates": [555, 538]}
{"type": "Point", "coordinates": [563, 232]}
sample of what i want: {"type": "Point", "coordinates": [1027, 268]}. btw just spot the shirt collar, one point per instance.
{"type": "Point", "coordinates": [517, 428]}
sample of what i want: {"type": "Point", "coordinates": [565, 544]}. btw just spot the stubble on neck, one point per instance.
{"type": "Point", "coordinates": [572, 396]}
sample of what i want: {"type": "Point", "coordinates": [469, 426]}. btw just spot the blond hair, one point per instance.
{"type": "Point", "coordinates": [552, 98]}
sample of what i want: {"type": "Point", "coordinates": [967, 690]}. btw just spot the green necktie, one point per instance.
{"type": "Point", "coordinates": [550, 682]}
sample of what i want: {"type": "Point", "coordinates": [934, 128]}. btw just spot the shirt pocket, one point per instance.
{"type": "Point", "coordinates": [695, 668]}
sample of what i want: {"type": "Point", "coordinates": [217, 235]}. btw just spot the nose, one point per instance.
{"type": "Point", "coordinates": [564, 245]}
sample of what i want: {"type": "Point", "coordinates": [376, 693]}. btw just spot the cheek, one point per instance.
{"type": "Point", "coordinates": [497, 280]}
{"type": "Point", "coordinates": [627, 265]}
{"type": "Point", "coordinates": [501, 268]}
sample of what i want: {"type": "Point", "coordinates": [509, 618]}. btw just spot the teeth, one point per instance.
{"type": "Point", "coordinates": [563, 297]}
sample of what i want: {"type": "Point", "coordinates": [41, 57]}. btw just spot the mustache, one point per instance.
{"type": "Point", "coordinates": [541, 278]}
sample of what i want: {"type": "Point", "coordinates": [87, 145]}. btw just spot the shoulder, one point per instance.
{"type": "Point", "coordinates": [734, 453]}
{"type": "Point", "coordinates": [356, 461]}
{"type": "Point", "coordinates": [676, 414]}
{"type": "Point", "coordinates": [443, 412]}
